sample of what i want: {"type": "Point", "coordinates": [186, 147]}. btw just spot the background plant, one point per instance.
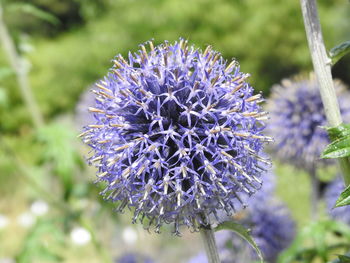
{"type": "Point", "coordinates": [65, 58]}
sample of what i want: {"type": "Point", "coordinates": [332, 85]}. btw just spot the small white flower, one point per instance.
{"type": "Point", "coordinates": [26, 219]}
{"type": "Point", "coordinates": [39, 208]}
{"type": "Point", "coordinates": [80, 236]}
{"type": "Point", "coordinates": [4, 221]}
{"type": "Point", "coordinates": [129, 235]}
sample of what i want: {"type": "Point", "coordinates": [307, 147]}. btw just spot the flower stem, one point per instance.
{"type": "Point", "coordinates": [18, 67]}
{"type": "Point", "coordinates": [322, 68]}
{"type": "Point", "coordinates": [208, 238]}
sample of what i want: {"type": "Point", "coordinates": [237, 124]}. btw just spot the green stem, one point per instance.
{"type": "Point", "coordinates": [208, 238]}
{"type": "Point", "coordinates": [322, 68]}
{"type": "Point", "coordinates": [18, 67]}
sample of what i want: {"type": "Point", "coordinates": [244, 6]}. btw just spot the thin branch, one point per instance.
{"type": "Point", "coordinates": [20, 70]}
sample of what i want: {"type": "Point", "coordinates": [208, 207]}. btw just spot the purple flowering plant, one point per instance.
{"type": "Point", "coordinates": [178, 134]}
{"type": "Point", "coordinates": [298, 120]}
{"type": "Point", "coordinates": [270, 224]}
{"type": "Point", "coordinates": [331, 195]}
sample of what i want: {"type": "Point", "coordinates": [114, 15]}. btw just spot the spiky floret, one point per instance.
{"type": "Point", "coordinates": [178, 134]}
{"type": "Point", "coordinates": [297, 117]}
{"type": "Point", "coordinates": [332, 193]}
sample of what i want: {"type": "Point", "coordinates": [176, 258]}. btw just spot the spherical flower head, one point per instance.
{"type": "Point", "coordinates": [297, 117]}
{"type": "Point", "coordinates": [332, 193]}
{"type": "Point", "coordinates": [177, 134]}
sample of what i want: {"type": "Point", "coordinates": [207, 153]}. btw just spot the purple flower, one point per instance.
{"type": "Point", "coordinates": [265, 194]}
{"type": "Point", "coordinates": [332, 193]}
{"type": "Point", "coordinates": [270, 222]}
{"type": "Point", "coordinates": [82, 115]}
{"type": "Point", "coordinates": [177, 134]}
{"type": "Point", "coordinates": [133, 258]}
{"type": "Point", "coordinates": [200, 258]}
{"type": "Point", "coordinates": [271, 226]}
{"type": "Point", "coordinates": [297, 115]}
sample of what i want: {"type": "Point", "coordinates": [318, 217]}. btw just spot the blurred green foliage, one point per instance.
{"type": "Point", "coordinates": [266, 37]}
{"type": "Point", "coordinates": [69, 44]}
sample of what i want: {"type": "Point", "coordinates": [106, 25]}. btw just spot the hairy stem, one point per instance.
{"type": "Point", "coordinates": [208, 238]}
{"type": "Point", "coordinates": [21, 72]}
{"type": "Point", "coordinates": [322, 68]}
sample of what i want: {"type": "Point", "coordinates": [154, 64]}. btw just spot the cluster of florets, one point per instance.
{"type": "Point", "coordinates": [271, 227]}
{"type": "Point", "coordinates": [332, 193]}
{"type": "Point", "coordinates": [297, 117]}
{"type": "Point", "coordinates": [177, 134]}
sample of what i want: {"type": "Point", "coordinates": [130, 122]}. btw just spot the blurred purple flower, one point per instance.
{"type": "Point", "coordinates": [332, 193]}
{"type": "Point", "coordinates": [82, 114]}
{"type": "Point", "coordinates": [297, 115]}
{"type": "Point", "coordinates": [133, 258]}
{"type": "Point", "coordinates": [271, 226]}
{"type": "Point", "coordinates": [177, 134]}
{"type": "Point", "coordinates": [200, 258]}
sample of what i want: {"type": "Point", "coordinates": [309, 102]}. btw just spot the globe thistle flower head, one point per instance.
{"type": "Point", "coordinates": [332, 193]}
{"type": "Point", "coordinates": [177, 134]}
{"type": "Point", "coordinates": [297, 117]}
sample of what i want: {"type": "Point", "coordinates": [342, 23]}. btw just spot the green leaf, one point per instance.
{"type": "Point", "coordinates": [339, 51]}
{"type": "Point", "coordinates": [344, 198]}
{"type": "Point", "coordinates": [340, 146]}
{"type": "Point", "coordinates": [59, 149]}
{"type": "Point", "coordinates": [310, 242]}
{"type": "Point", "coordinates": [338, 132]}
{"type": "Point", "coordinates": [344, 259]}
{"type": "Point", "coordinates": [34, 11]}
{"type": "Point", "coordinates": [4, 100]}
{"type": "Point", "coordinates": [35, 246]}
{"type": "Point", "coordinates": [337, 149]}
{"type": "Point", "coordinates": [243, 232]}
